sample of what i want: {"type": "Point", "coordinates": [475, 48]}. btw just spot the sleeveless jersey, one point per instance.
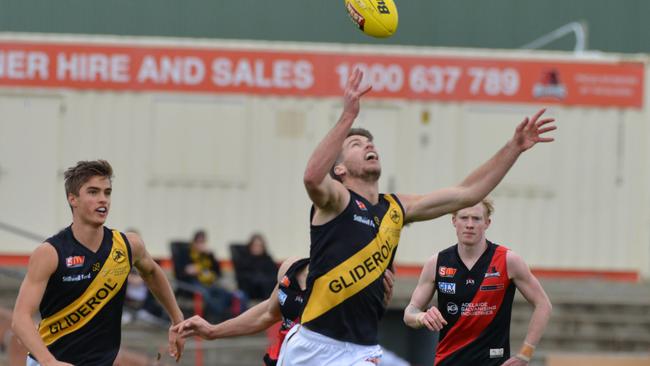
{"type": "Point", "coordinates": [349, 255]}
{"type": "Point", "coordinates": [292, 300]}
{"type": "Point", "coordinates": [477, 304]}
{"type": "Point", "coordinates": [82, 304]}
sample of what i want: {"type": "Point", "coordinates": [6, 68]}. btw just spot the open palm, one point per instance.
{"type": "Point", "coordinates": [353, 93]}
{"type": "Point", "coordinates": [530, 131]}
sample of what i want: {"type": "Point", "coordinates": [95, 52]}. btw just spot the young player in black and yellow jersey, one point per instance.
{"type": "Point", "coordinates": [77, 280]}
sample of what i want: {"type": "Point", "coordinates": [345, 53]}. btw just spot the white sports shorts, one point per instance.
{"type": "Point", "coordinates": [303, 347]}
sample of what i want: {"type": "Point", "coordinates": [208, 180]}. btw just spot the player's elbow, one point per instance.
{"type": "Point", "coordinates": [548, 307]}
{"type": "Point", "coordinates": [469, 197]}
{"type": "Point", "coordinates": [15, 323]}
{"type": "Point", "coordinates": [545, 307]}
{"type": "Point", "coordinates": [311, 179]}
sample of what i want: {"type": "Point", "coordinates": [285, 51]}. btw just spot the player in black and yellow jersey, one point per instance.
{"type": "Point", "coordinates": [285, 304]}
{"type": "Point", "coordinates": [355, 232]}
{"type": "Point", "coordinates": [77, 280]}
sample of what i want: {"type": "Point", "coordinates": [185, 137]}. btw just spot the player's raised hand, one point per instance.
{"type": "Point", "coordinates": [353, 93]}
{"type": "Point", "coordinates": [529, 132]}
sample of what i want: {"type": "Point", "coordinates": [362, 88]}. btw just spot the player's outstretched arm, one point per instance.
{"type": "Point", "coordinates": [478, 184]}
{"type": "Point", "coordinates": [534, 293]}
{"type": "Point", "coordinates": [414, 315]}
{"type": "Point", "coordinates": [42, 264]}
{"type": "Point", "coordinates": [325, 192]}
{"type": "Point", "coordinates": [157, 282]}
{"type": "Point", "coordinates": [254, 320]}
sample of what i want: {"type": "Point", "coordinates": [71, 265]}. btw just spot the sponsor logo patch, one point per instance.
{"type": "Point", "coordinates": [447, 287]}
{"type": "Point", "coordinates": [470, 281]}
{"type": "Point", "coordinates": [496, 352]}
{"type": "Point", "coordinates": [492, 287]}
{"type": "Point", "coordinates": [361, 205]}
{"type": "Point", "coordinates": [477, 309]}
{"type": "Point", "coordinates": [492, 272]}
{"type": "Point", "coordinates": [394, 215]}
{"type": "Point", "coordinates": [452, 308]}
{"type": "Point", "coordinates": [76, 278]}
{"type": "Point", "coordinates": [75, 261]}
{"type": "Point", "coordinates": [447, 272]}
{"type": "Point", "coordinates": [282, 297]}
{"type": "Point", "coordinates": [364, 220]}
{"type": "Point", "coordinates": [118, 256]}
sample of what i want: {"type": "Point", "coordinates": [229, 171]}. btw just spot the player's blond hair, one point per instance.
{"type": "Point", "coordinates": [488, 204]}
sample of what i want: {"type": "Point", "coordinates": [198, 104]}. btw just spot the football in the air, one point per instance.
{"type": "Point", "coordinates": [377, 18]}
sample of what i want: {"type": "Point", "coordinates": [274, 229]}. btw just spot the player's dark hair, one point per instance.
{"type": "Point", "coordinates": [78, 175]}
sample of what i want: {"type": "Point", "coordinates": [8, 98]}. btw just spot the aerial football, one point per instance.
{"type": "Point", "coordinates": [376, 18]}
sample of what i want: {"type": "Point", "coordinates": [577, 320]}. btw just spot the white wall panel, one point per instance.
{"type": "Point", "coordinates": [29, 149]}
{"type": "Point", "coordinates": [233, 165]}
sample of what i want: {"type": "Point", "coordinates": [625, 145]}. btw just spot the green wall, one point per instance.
{"type": "Point", "coordinates": [614, 25]}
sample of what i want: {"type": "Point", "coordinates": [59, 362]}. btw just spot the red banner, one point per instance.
{"type": "Point", "coordinates": [318, 74]}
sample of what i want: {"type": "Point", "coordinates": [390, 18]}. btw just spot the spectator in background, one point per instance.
{"type": "Point", "coordinates": [136, 292]}
{"type": "Point", "coordinates": [258, 270]}
{"type": "Point", "coordinates": [201, 269]}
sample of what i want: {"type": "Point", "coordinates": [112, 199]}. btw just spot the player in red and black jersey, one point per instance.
{"type": "Point", "coordinates": [476, 282]}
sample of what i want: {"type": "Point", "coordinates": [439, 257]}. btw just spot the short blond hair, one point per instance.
{"type": "Point", "coordinates": [487, 203]}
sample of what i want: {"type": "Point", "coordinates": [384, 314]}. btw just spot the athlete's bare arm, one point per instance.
{"type": "Point", "coordinates": [42, 264]}
{"type": "Point", "coordinates": [254, 320]}
{"type": "Point", "coordinates": [533, 292]}
{"type": "Point", "coordinates": [328, 195]}
{"type": "Point", "coordinates": [259, 317]}
{"type": "Point", "coordinates": [157, 282]}
{"type": "Point", "coordinates": [416, 314]}
{"type": "Point", "coordinates": [484, 179]}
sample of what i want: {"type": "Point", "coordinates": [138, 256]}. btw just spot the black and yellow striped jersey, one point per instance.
{"type": "Point", "coordinates": [349, 255]}
{"type": "Point", "coordinates": [81, 309]}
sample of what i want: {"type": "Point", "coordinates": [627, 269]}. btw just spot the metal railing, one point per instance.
{"type": "Point", "coordinates": [577, 28]}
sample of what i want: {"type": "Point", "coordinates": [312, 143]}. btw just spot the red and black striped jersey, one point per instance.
{"type": "Point", "coordinates": [477, 304]}
{"type": "Point", "coordinates": [292, 301]}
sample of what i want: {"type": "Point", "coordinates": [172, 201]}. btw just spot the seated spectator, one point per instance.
{"type": "Point", "coordinates": [202, 270]}
{"type": "Point", "coordinates": [258, 271]}
{"type": "Point", "coordinates": [136, 293]}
